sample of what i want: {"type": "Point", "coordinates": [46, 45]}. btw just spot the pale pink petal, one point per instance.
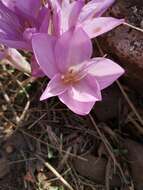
{"type": "Point", "coordinates": [69, 14]}
{"type": "Point", "coordinates": [75, 11]}
{"type": "Point", "coordinates": [15, 59]}
{"type": "Point", "coordinates": [60, 18]}
{"type": "Point", "coordinates": [9, 3]}
{"type": "Point", "coordinates": [81, 108]}
{"type": "Point", "coordinates": [44, 15]}
{"type": "Point", "coordinates": [54, 4]}
{"type": "Point", "coordinates": [97, 26]}
{"type": "Point", "coordinates": [54, 88]}
{"type": "Point", "coordinates": [2, 55]}
{"type": "Point", "coordinates": [29, 7]}
{"type": "Point", "coordinates": [72, 48]}
{"type": "Point", "coordinates": [43, 47]}
{"type": "Point", "coordinates": [65, 3]}
{"type": "Point", "coordinates": [85, 91]}
{"type": "Point", "coordinates": [36, 70]}
{"type": "Point", "coordinates": [15, 44]}
{"type": "Point", "coordinates": [94, 8]}
{"type": "Point", "coordinates": [55, 24]}
{"type": "Point", "coordinates": [105, 71]}
{"type": "Point", "coordinates": [64, 16]}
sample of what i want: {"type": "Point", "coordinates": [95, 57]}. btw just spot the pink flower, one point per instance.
{"type": "Point", "coordinates": [36, 71]}
{"type": "Point", "coordinates": [88, 16]}
{"type": "Point", "coordinates": [75, 78]}
{"type": "Point", "coordinates": [20, 20]}
{"type": "Point", "coordinates": [12, 57]}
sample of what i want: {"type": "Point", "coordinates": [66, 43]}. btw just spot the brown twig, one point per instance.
{"type": "Point", "coordinates": [138, 127]}
{"type": "Point", "coordinates": [47, 144]}
{"type": "Point", "coordinates": [108, 147]}
{"type": "Point", "coordinates": [54, 171]}
{"type": "Point", "coordinates": [107, 174]}
{"type": "Point", "coordinates": [130, 102]}
{"type": "Point", "coordinates": [133, 27]}
{"type": "Point", "coordinates": [8, 101]}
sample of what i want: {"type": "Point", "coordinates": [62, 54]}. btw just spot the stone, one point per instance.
{"type": "Point", "coordinates": [124, 44]}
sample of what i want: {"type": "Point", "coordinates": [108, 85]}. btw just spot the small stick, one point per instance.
{"type": "Point", "coordinates": [134, 27]}
{"type": "Point", "coordinates": [107, 174]}
{"type": "Point", "coordinates": [107, 145]}
{"type": "Point", "coordinates": [52, 169]}
{"type": "Point", "coordinates": [52, 146]}
{"type": "Point", "coordinates": [139, 128]}
{"type": "Point", "coordinates": [129, 102]}
{"type": "Point", "coordinates": [8, 101]}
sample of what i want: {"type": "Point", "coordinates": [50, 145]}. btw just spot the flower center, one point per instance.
{"type": "Point", "coordinates": [70, 77]}
{"type": "Point", "coordinates": [27, 34]}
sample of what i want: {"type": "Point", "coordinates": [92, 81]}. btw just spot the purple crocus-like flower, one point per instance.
{"type": "Point", "coordinates": [12, 57]}
{"type": "Point", "coordinates": [75, 78]}
{"type": "Point", "coordinates": [67, 15]}
{"type": "Point", "coordinates": [19, 20]}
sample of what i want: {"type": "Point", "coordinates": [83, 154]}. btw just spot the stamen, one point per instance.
{"type": "Point", "coordinates": [71, 77]}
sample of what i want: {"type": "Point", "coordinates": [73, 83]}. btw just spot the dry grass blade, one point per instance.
{"type": "Point", "coordinates": [52, 169]}
{"type": "Point", "coordinates": [24, 113]}
{"type": "Point", "coordinates": [134, 27]}
{"type": "Point", "coordinates": [138, 127]}
{"type": "Point", "coordinates": [50, 145]}
{"type": "Point", "coordinates": [20, 161]}
{"type": "Point", "coordinates": [107, 175]}
{"type": "Point", "coordinates": [108, 147]}
{"type": "Point", "coordinates": [8, 101]}
{"type": "Point", "coordinates": [39, 119]}
{"type": "Point", "coordinates": [129, 102]}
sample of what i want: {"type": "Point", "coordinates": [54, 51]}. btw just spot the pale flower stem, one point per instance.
{"type": "Point", "coordinates": [134, 27]}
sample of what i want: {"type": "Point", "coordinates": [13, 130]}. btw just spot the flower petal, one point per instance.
{"type": "Point", "coordinates": [9, 26]}
{"type": "Point", "coordinates": [28, 7]}
{"type": "Point", "coordinates": [105, 71]}
{"type": "Point", "coordinates": [8, 20]}
{"type": "Point", "coordinates": [69, 13]}
{"type": "Point", "coordinates": [36, 70]}
{"type": "Point", "coordinates": [54, 88]}
{"type": "Point", "coordinates": [75, 12]}
{"type": "Point", "coordinates": [81, 108]}
{"type": "Point", "coordinates": [15, 44]}
{"type": "Point", "coordinates": [55, 24]}
{"type": "Point", "coordinates": [97, 26]}
{"type": "Point", "coordinates": [60, 17]}
{"type": "Point", "coordinates": [43, 47]}
{"type": "Point", "coordinates": [85, 91]}
{"type": "Point", "coordinates": [72, 48]}
{"type": "Point", "coordinates": [9, 3]}
{"type": "Point", "coordinates": [94, 8]}
{"type": "Point", "coordinates": [43, 18]}
{"type": "Point", "coordinates": [65, 15]}
{"type": "Point", "coordinates": [15, 59]}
